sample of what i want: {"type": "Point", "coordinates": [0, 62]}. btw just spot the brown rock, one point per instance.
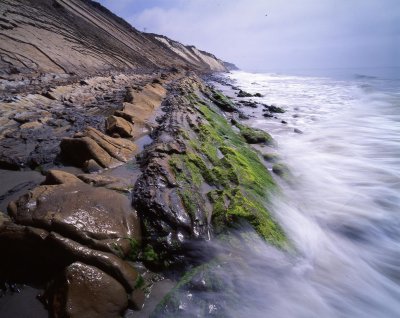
{"type": "Point", "coordinates": [126, 116]}
{"type": "Point", "coordinates": [78, 150]}
{"type": "Point", "coordinates": [91, 166]}
{"type": "Point", "coordinates": [84, 291]}
{"type": "Point", "coordinates": [107, 262]}
{"type": "Point", "coordinates": [136, 299]}
{"type": "Point", "coordinates": [119, 125]}
{"type": "Point", "coordinates": [97, 217]}
{"type": "Point", "coordinates": [94, 145]}
{"type": "Point", "coordinates": [120, 149]}
{"type": "Point", "coordinates": [60, 177]}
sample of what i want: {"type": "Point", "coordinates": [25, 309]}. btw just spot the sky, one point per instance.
{"type": "Point", "coordinates": [275, 35]}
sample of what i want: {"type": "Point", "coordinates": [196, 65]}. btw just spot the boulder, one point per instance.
{"type": "Point", "coordinates": [60, 177]}
{"type": "Point", "coordinates": [94, 145]}
{"type": "Point", "coordinates": [120, 126]}
{"type": "Point", "coordinates": [84, 291]}
{"type": "Point", "coordinates": [97, 217]}
{"type": "Point", "coordinates": [124, 115]}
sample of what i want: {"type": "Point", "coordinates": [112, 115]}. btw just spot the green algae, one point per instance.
{"type": "Point", "coordinates": [271, 157]}
{"type": "Point", "coordinates": [221, 158]}
{"type": "Point", "coordinates": [253, 135]}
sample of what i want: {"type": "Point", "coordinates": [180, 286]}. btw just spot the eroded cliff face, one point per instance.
{"type": "Point", "coordinates": [52, 39]}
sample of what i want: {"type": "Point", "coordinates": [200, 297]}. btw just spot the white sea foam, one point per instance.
{"type": "Point", "coordinates": [343, 210]}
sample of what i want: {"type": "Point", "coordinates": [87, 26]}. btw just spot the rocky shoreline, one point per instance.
{"type": "Point", "coordinates": [197, 180]}
{"type": "Point", "coordinates": [123, 169]}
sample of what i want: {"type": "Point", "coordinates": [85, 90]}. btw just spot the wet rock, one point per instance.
{"type": "Point", "coordinates": [244, 94]}
{"type": "Point", "coordinates": [97, 217]}
{"type": "Point", "coordinates": [126, 116]}
{"type": "Point", "coordinates": [137, 299]}
{"type": "Point", "coordinates": [271, 157]}
{"type": "Point", "coordinates": [109, 263]}
{"type": "Point", "coordinates": [93, 144]}
{"type": "Point", "coordinates": [119, 125]}
{"type": "Point", "coordinates": [24, 251]}
{"type": "Point", "coordinates": [91, 166]}
{"type": "Point", "coordinates": [60, 177]}
{"type": "Point", "coordinates": [274, 109]}
{"type": "Point", "coordinates": [222, 102]}
{"type": "Point", "coordinates": [79, 150]}
{"type": "Point", "coordinates": [251, 104]}
{"type": "Point", "coordinates": [86, 291]}
{"type": "Point", "coordinates": [281, 170]}
{"type": "Point", "coordinates": [297, 131]}
{"type": "Point", "coordinates": [98, 180]}
{"type": "Point", "coordinates": [268, 115]}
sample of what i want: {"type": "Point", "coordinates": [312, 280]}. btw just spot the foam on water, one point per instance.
{"type": "Point", "coordinates": [343, 210]}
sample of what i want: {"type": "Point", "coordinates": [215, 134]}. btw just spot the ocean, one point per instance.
{"type": "Point", "coordinates": [340, 138]}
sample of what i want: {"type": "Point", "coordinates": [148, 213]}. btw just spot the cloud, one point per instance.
{"type": "Point", "coordinates": [294, 34]}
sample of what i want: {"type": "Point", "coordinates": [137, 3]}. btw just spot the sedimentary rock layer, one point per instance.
{"type": "Point", "coordinates": [47, 40]}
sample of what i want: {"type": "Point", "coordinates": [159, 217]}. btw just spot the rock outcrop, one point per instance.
{"type": "Point", "coordinates": [50, 41]}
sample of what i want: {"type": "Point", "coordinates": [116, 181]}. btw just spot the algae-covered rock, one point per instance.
{"type": "Point", "coordinates": [200, 179]}
{"type": "Point", "coordinates": [281, 170]}
{"type": "Point", "coordinates": [253, 135]}
{"type": "Point", "coordinates": [274, 109]}
{"type": "Point", "coordinates": [223, 102]}
{"type": "Point", "coordinates": [271, 157]}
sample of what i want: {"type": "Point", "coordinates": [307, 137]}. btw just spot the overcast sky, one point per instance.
{"type": "Point", "coordinates": [274, 35]}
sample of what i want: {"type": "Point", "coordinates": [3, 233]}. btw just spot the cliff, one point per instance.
{"type": "Point", "coordinates": [49, 39]}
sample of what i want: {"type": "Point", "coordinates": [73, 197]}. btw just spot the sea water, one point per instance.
{"type": "Point", "coordinates": [342, 208]}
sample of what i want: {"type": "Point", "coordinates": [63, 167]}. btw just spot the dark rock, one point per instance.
{"type": "Point", "coordinates": [97, 217]}
{"type": "Point", "coordinates": [137, 299]}
{"type": "Point", "coordinates": [281, 170]}
{"type": "Point", "coordinates": [297, 131]}
{"type": "Point", "coordinates": [244, 94]}
{"type": "Point", "coordinates": [268, 115]}
{"type": "Point", "coordinates": [274, 109]}
{"type": "Point", "coordinates": [84, 291]}
{"type": "Point", "coordinates": [49, 95]}
{"type": "Point", "coordinates": [271, 157]}
{"type": "Point", "coordinates": [249, 103]}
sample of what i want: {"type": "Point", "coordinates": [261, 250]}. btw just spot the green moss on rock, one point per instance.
{"type": "Point", "coordinates": [221, 158]}
{"type": "Point", "coordinates": [271, 157]}
{"type": "Point", "coordinates": [281, 170]}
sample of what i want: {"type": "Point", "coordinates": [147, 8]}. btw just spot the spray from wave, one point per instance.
{"type": "Point", "coordinates": [341, 210]}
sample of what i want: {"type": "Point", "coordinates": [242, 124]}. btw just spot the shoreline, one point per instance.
{"type": "Point", "coordinates": [164, 122]}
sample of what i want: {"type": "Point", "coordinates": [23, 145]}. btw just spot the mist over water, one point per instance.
{"type": "Point", "coordinates": [342, 210]}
